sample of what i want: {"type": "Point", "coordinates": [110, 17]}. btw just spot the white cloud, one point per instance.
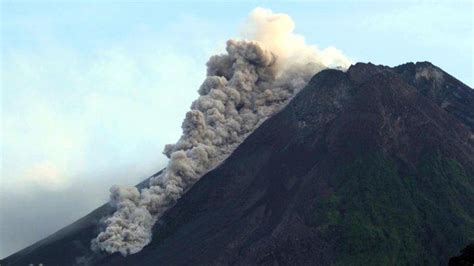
{"type": "Point", "coordinates": [47, 176]}
{"type": "Point", "coordinates": [73, 110]}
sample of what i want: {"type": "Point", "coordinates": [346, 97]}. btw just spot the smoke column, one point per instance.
{"type": "Point", "coordinates": [243, 87]}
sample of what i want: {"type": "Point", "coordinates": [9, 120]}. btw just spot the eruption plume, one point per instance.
{"type": "Point", "coordinates": [252, 81]}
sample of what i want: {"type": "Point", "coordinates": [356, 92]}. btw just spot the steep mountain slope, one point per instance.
{"type": "Point", "coordinates": [374, 166]}
{"type": "Point", "coordinates": [446, 91]}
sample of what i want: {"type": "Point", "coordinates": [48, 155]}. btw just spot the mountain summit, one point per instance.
{"type": "Point", "coordinates": [373, 166]}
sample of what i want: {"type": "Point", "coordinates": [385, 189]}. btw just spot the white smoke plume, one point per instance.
{"type": "Point", "coordinates": [243, 87]}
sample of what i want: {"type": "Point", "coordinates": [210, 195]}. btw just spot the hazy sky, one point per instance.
{"type": "Point", "coordinates": [92, 92]}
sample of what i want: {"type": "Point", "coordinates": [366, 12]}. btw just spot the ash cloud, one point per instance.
{"type": "Point", "coordinates": [252, 81]}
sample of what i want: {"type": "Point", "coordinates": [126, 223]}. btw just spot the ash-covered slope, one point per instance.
{"type": "Point", "coordinates": [71, 244]}
{"type": "Point", "coordinates": [374, 166]}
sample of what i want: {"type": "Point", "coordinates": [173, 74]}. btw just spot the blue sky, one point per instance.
{"type": "Point", "coordinates": [91, 92]}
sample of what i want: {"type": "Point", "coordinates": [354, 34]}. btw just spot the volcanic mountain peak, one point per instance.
{"type": "Point", "coordinates": [445, 90]}
{"type": "Point", "coordinates": [373, 166]}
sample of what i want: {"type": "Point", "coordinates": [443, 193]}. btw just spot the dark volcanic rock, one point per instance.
{"type": "Point", "coordinates": [465, 259]}
{"type": "Point", "coordinates": [374, 166]}
{"type": "Point", "coordinates": [448, 92]}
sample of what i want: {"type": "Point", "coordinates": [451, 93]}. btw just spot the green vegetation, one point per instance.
{"type": "Point", "coordinates": [378, 217]}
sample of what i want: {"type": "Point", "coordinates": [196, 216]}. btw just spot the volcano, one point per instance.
{"type": "Point", "coordinates": [372, 166]}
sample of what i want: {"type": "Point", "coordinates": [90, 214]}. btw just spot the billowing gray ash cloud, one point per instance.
{"type": "Point", "coordinates": [243, 87]}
